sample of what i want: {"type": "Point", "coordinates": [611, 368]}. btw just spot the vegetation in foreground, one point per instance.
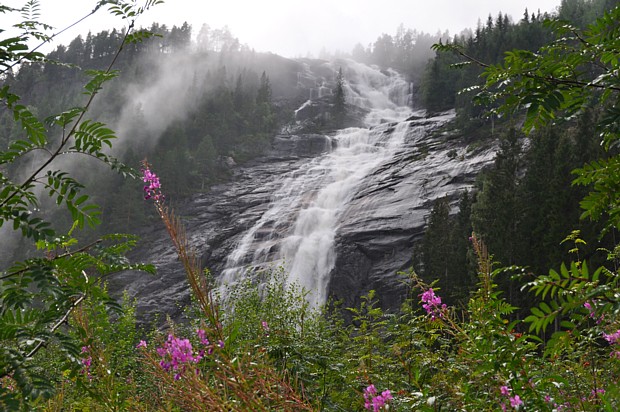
{"type": "Point", "coordinates": [66, 345]}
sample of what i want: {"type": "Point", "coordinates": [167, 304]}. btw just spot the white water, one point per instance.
{"type": "Point", "coordinates": [299, 228]}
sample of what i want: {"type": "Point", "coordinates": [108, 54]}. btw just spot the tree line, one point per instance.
{"type": "Point", "coordinates": [229, 117]}
{"type": "Point", "coordinates": [526, 205]}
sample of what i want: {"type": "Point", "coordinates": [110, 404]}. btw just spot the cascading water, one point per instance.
{"type": "Point", "coordinates": [298, 230]}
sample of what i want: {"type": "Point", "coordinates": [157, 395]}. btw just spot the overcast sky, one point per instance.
{"type": "Point", "coordinates": [292, 27]}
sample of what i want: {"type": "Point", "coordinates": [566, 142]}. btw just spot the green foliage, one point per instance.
{"type": "Point", "coordinates": [127, 10]}
{"type": "Point", "coordinates": [430, 357]}
{"type": "Point", "coordinates": [104, 374]}
{"type": "Point", "coordinates": [560, 80]}
{"type": "Point", "coordinates": [444, 249]}
{"type": "Point", "coordinates": [39, 296]}
{"type": "Point", "coordinates": [452, 81]}
{"type": "Point", "coordinates": [572, 297]}
{"type": "Point", "coordinates": [98, 78]}
{"type": "Point", "coordinates": [526, 203]}
{"type": "Point", "coordinates": [568, 78]}
{"type": "Point", "coordinates": [278, 318]}
{"type": "Point", "coordinates": [15, 50]}
{"type": "Point", "coordinates": [266, 348]}
{"type": "Point", "coordinates": [561, 77]}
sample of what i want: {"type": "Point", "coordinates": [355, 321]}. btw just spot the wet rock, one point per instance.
{"type": "Point", "coordinates": [375, 233]}
{"type": "Point", "coordinates": [375, 236]}
{"type": "Point", "coordinates": [387, 217]}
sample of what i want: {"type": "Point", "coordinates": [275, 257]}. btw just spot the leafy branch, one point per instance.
{"type": "Point", "coordinates": [38, 296]}
{"type": "Point", "coordinates": [88, 138]}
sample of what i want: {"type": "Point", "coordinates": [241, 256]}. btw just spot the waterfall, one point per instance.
{"type": "Point", "coordinates": [298, 229]}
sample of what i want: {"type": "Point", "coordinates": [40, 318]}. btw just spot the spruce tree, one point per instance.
{"type": "Point", "coordinates": [339, 110]}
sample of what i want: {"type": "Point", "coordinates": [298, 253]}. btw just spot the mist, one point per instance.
{"type": "Point", "coordinates": [293, 29]}
{"type": "Point", "coordinates": [173, 81]}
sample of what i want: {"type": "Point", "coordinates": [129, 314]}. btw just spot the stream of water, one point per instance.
{"type": "Point", "coordinates": [298, 230]}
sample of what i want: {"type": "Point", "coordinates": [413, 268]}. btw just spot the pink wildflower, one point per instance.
{"type": "Point", "coordinates": [176, 354]}
{"type": "Point", "coordinates": [87, 362]}
{"type": "Point", "coordinates": [152, 187]}
{"type": "Point", "coordinates": [377, 403]}
{"type": "Point", "coordinates": [374, 401]}
{"type": "Point", "coordinates": [612, 338]}
{"type": "Point", "coordinates": [504, 390]}
{"type": "Point", "coordinates": [202, 336]}
{"type": "Point", "coordinates": [141, 344]}
{"type": "Point", "coordinates": [516, 401]}
{"type": "Point", "coordinates": [432, 304]}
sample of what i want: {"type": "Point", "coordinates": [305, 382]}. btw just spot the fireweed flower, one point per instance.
{"type": "Point", "coordinates": [432, 304]}
{"type": "Point", "coordinates": [141, 344]}
{"type": "Point", "coordinates": [86, 364]}
{"type": "Point", "coordinates": [152, 187]}
{"type": "Point", "coordinates": [515, 401]}
{"type": "Point", "coordinates": [374, 401]}
{"type": "Point", "coordinates": [612, 338]}
{"type": "Point", "coordinates": [202, 336]}
{"type": "Point", "coordinates": [7, 382]}
{"type": "Point", "coordinates": [176, 354]}
{"type": "Point", "coordinates": [377, 402]}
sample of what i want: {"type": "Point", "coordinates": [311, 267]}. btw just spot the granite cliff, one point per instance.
{"type": "Point", "coordinates": [340, 210]}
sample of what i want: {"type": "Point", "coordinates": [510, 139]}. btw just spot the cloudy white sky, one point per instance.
{"type": "Point", "coordinates": [295, 28]}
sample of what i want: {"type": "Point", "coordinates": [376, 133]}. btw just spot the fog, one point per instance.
{"type": "Point", "coordinates": [295, 28]}
{"type": "Point", "coordinates": [288, 28]}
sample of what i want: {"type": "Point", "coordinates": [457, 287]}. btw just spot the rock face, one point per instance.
{"type": "Point", "coordinates": [388, 215]}
{"type": "Point", "coordinates": [370, 215]}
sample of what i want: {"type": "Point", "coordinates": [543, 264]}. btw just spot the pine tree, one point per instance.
{"type": "Point", "coordinates": [339, 108]}
{"type": "Point", "coordinates": [496, 213]}
{"type": "Point", "coordinates": [264, 118]}
{"type": "Point", "coordinates": [436, 237]}
{"type": "Point", "coordinates": [264, 91]}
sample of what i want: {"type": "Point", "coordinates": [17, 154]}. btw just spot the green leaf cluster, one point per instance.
{"type": "Point", "coordinates": [37, 297]}
{"type": "Point", "coordinates": [40, 296]}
